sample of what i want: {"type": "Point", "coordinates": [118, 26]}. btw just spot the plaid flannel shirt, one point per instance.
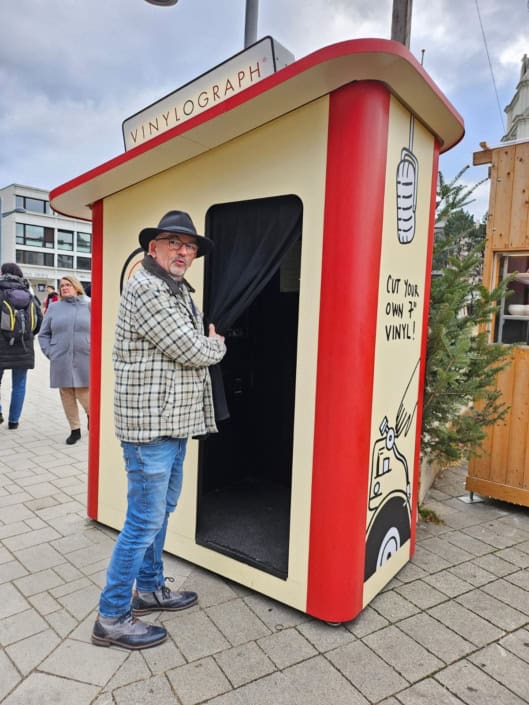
{"type": "Point", "coordinates": [161, 358]}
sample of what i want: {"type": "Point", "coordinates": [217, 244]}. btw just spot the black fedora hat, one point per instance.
{"type": "Point", "coordinates": [176, 222]}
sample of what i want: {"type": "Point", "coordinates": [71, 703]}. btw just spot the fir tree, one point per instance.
{"type": "Point", "coordinates": [460, 400]}
{"type": "Point", "coordinates": [452, 195]}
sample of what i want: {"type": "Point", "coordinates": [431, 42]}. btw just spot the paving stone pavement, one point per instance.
{"type": "Point", "coordinates": [451, 628]}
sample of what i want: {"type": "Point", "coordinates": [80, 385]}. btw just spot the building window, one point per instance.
{"type": "Point", "coordinates": [84, 263]}
{"type": "Point", "coordinates": [84, 242]}
{"type": "Point", "coordinates": [34, 235]}
{"type": "Point", "coordinates": [43, 259]}
{"type": "Point", "coordinates": [64, 240]}
{"type": "Point", "coordinates": [35, 205]}
{"type": "Point", "coordinates": [65, 261]}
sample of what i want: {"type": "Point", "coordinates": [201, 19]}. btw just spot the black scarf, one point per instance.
{"type": "Point", "coordinates": [175, 285]}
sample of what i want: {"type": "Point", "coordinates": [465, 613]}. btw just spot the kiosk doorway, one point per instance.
{"type": "Point", "coordinates": [252, 295]}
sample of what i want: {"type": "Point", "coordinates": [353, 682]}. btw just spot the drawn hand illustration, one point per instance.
{"type": "Point", "coordinates": [389, 502]}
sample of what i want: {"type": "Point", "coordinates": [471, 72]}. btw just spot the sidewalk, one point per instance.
{"type": "Point", "coordinates": [453, 627]}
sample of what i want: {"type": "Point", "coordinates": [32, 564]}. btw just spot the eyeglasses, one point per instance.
{"type": "Point", "coordinates": [177, 244]}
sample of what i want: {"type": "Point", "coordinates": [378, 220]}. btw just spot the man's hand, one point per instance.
{"type": "Point", "coordinates": [213, 333]}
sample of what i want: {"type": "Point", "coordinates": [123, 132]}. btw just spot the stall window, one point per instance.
{"type": "Point", "coordinates": [512, 322]}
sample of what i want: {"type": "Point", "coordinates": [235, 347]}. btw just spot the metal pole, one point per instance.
{"type": "Point", "coordinates": [401, 21]}
{"type": "Point", "coordinates": [250, 23]}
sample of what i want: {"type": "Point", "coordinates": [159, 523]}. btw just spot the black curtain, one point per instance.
{"type": "Point", "coordinates": [251, 239]}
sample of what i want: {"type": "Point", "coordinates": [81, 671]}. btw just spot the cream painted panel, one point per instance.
{"type": "Point", "coordinates": [287, 156]}
{"type": "Point", "coordinates": [399, 327]}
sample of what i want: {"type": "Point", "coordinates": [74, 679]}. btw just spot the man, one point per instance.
{"type": "Point", "coordinates": [162, 396]}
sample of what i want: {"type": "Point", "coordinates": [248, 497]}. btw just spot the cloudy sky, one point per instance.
{"type": "Point", "coordinates": [72, 70]}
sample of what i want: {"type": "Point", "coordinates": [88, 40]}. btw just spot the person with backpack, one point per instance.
{"type": "Point", "coordinates": [65, 340]}
{"type": "Point", "coordinates": [20, 321]}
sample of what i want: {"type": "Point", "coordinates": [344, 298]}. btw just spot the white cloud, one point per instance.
{"type": "Point", "coordinates": [510, 57]}
{"type": "Point", "coordinates": [72, 70]}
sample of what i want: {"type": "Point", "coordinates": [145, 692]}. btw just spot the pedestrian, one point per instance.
{"type": "Point", "coordinates": [51, 297]}
{"type": "Point", "coordinates": [21, 318]}
{"type": "Point", "coordinates": [162, 396]}
{"type": "Point", "coordinates": [65, 340]}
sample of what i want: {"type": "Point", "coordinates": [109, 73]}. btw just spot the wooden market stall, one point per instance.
{"type": "Point", "coordinates": [502, 470]}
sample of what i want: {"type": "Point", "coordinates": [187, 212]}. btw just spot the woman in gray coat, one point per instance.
{"type": "Point", "coordinates": [65, 340]}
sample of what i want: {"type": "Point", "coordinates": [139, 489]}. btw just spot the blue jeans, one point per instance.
{"type": "Point", "coordinates": [154, 472]}
{"type": "Point", "coordinates": [18, 393]}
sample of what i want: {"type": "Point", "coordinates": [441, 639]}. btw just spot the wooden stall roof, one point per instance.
{"type": "Point", "coordinates": [484, 155]}
{"type": "Point", "coordinates": [508, 216]}
{"type": "Point", "coordinates": [295, 85]}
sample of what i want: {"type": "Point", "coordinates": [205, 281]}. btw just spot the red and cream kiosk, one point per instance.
{"type": "Point", "coordinates": [317, 184]}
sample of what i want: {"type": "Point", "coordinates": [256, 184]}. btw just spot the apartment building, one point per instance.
{"type": "Point", "coordinates": [44, 244]}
